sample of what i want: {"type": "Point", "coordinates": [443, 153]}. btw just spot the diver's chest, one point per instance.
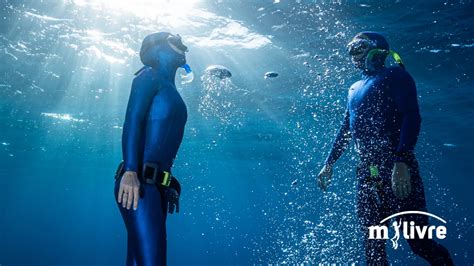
{"type": "Point", "coordinates": [369, 94]}
{"type": "Point", "coordinates": [167, 104]}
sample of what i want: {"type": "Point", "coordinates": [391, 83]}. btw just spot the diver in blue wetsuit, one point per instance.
{"type": "Point", "coordinates": [152, 133]}
{"type": "Point", "coordinates": [382, 117]}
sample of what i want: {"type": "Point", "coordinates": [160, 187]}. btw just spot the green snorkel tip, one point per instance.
{"type": "Point", "coordinates": [396, 57]}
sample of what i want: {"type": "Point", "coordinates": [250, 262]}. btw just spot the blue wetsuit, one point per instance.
{"type": "Point", "coordinates": [383, 119]}
{"type": "Point", "coordinates": [152, 133]}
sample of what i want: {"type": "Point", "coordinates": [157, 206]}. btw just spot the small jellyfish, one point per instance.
{"type": "Point", "coordinates": [451, 145]}
{"type": "Point", "coordinates": [218, 71]}
{"type": "Point", "coordinates": [270, 74]}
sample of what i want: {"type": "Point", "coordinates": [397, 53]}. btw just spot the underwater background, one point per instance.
{"type": "Point", "coordinates": [252, 146]}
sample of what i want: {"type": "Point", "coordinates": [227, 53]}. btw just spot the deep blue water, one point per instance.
{"type": "Point", "coordinates": [66, 69]}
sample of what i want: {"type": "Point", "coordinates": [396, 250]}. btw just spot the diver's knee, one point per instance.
{"type": "Point", "coordinates": [422, 247]}
{"type": "Point", "coordinates": [417, 245]}
{"type": "Point", "coordinates": [433, 252]}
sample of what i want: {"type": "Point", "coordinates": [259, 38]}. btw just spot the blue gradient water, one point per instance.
{"type": "Point", "coordinates": [252, 146]}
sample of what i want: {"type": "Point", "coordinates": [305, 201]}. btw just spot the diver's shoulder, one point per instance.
{"type": "Point", "coordinates": [145, 78]}
{"type": "Point", "coordinates": [396, 72]}
{"type": "Point", "coordinates": [145, 74]}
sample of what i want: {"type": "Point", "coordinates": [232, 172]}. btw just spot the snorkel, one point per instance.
{"type": "Point", "coordinates": [369, 50]}
{"type": "Point", "coordinates": [186, 73]}
{"type": "Point", "coordinates": [375, 52]}
{"type": "Point", "coordinates": [187, 76]}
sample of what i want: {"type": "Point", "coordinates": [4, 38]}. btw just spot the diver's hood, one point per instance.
{"type": "Point", "coordinates": [377, 38]}
{"type": "Point", "coordinates": [149, 44]}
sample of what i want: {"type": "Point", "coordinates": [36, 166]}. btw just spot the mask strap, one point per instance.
{"type": "Point", "coordinates": [373, 52]}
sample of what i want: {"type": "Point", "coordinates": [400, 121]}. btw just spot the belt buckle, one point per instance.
{"type": "Point", "coordinates": [146, 171]}
{"type": "Point", "coordinates": [165, 176]}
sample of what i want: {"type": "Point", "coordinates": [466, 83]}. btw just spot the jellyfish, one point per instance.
{"type": "Point", "coordinates": [218, 71]}
{"type": "Point", "coordinates": [270, 75]}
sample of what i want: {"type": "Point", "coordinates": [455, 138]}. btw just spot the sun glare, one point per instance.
{"type": "Point", "coordinates": [144, 8]}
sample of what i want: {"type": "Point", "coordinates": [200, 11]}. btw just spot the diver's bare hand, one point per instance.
{"type": "Point", "coordinates": [324, 177]}
{"type": "Point", "coordinates": [401, 180]}
{"type": "Point", "coordinates": [129, 191]}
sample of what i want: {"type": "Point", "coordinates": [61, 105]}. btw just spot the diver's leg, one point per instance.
{"type": "Point", "coordinates": [146, 227]}
{"type": "Point", "coordinates": [131, 239]}
{"type": "Point", "coordinates": [428, 249]}
{"type": "Point", "coordinates": [368, 215]}
{"type": "Point", "coordinates": [130, 256]}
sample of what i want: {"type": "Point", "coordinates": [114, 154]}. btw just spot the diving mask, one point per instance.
{"type": "Point", "coordinates": [176, 43]}
{"type": "Point", "coordinates": [363, 51]}
{"type": "Point", "coordinates": [359, 48]}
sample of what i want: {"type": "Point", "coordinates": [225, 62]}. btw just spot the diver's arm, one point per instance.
{"type": "Point", "coordinates": [341, 142]}
{"type": "Point", "coordinates": [339, 146]}
{"type": "Point", "coordinates": [141, 97]}
{"type": "Point", "coordinates": [407, 105]}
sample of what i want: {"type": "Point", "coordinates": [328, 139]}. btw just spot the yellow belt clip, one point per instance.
{"type": "Point", "coordinates": [166, 179]}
